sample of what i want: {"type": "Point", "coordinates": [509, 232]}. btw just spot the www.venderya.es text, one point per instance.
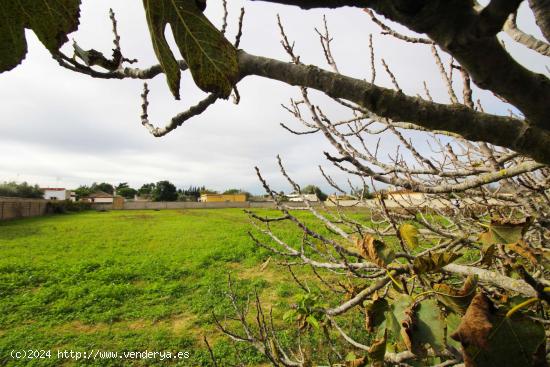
{"type": "Point", "coordinates": [97, 354]}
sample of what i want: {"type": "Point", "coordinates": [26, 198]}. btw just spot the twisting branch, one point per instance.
{"type": "Point", "coordinates": [177, 120]}
{"type": "Point", "coordinates": [240, 29]}
{"type": "Point", "coordinates": [388, 31]}
{"type": "Point", "coordinates": [510, 27]}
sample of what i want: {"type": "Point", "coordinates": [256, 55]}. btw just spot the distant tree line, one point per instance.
{"type": "Point", "coordinates": [159, 191]}
{"type": "Point", "coordinates": [125, 191]}
{"type": "Point", "coordinates": [85, 191]}
{"type": "Point", "coordinates": [20, 190]}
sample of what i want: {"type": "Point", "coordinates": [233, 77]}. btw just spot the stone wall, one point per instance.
{"type": "Point", "coordinates": [13, 208]}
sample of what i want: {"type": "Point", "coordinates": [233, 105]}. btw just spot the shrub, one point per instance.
{"type": "Point", "coordinates": [68, 206]}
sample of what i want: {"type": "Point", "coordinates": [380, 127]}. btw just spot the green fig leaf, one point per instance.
{"type": "Point", "coordinates": [50, 20]}
{"type": "Point", "coordinates": [428, 327]}
{"type": "Point", "coordinates": [504, 231]}
{"type": "Point", "coordinates": [212, 60]}
{"type": "Point", "coordinates": [409, 234]}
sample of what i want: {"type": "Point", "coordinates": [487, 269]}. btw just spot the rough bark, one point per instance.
{"type": "Point", "coordinates": [508, 132]}
{"type": "Point", "coordinates": [541, 9]}
{"type": "Point", "coordinates": [312, 4]}
{"type": "Point", "coordinates": [493, 16]}
{"type": "Point", "coordinates": [514, 285]}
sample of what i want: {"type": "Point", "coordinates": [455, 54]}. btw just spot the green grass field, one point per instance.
{"type": "Point", "coordinates": [128, 281]}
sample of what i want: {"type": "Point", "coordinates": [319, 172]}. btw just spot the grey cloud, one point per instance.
{"type": "Point", "coordinates": [61, 128]}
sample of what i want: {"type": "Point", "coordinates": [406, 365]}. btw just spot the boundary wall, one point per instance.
{"type": "Point", "coordinates": [141, 205]}
{"type": "Point", "coordinates": [14, 208]}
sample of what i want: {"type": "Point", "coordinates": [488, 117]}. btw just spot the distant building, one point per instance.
{"type": "Point", "coordinates": [98, 197]}
{"type": "Point", "coordinates": [336, 198]}
{"type": "Point", "coordinates": [141, 198]}
{"type": "Point", "coordinates": [405, 195]}
{"type": "Point", "coordinates": [222, 198]}
{"type": "Point", "coordinates": [261, 198]}
{"type": "Point", "coordinates": [300, 198]}
{"type": "Point", "coordinates": [56, 193]}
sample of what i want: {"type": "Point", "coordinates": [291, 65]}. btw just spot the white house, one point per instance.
{"type": "Point", "coordinates": [55, 193]}
{"type": "Point", "coordinates": [300, 198]}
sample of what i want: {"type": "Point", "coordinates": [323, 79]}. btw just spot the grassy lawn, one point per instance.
{"type": "Point", "coordinates": [127, 280]}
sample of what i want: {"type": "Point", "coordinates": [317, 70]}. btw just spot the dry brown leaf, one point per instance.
{"type": "Point", "coordinates": [377, 351]}
{"type": "Point", "coordinates": [359, 362]}
{"type": "Point", "coordinates": [526, 251]}
{"type": "Point", "coordinates": [475, 325]}
{"type": "Point", "coordinates": [375, 250]}
{"type": "Point", "coordinates": [375, 314]}
{"type": "Point", "coordinates": [491, 338]}
{"type": "Point", "coordinates": [406, 327]}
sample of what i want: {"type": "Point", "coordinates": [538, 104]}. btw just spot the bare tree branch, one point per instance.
{"type": "Point", "coordinates": [454, 26]}
{"type": "Point", "coordinates": [504, 131]}
{"type": "Point", "coordinates": [510, 27]}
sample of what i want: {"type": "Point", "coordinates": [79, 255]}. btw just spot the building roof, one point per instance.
{"type": "Point", "coordinates": [100, 194]}
{"type": "Point", "coordinates": [223, 194]}
{"type": "Point", "coordinates": [401, 192]}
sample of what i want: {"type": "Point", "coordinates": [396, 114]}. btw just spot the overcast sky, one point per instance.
{"type": "Point", "coordinates": [62, 129]}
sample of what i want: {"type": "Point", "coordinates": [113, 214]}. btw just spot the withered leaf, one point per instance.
{"type": "Point", "coordinates": [374, 313]}
{"type": "Point", "coordinates": [394, 318]}
{"type": "Point", "coordinates": [475, 325]}
{"type": "Point", "coordinates": [357, 362]}
{"type": "Point", "coordinates": [377, 350]}
{"type": "Point", "coordinates": [375, 250]}
{"type": "Point", "coordinates": [488, 253]}
{"type": "Point", "coordinates": [504, 231]}
{"type": "Point", "coordinates": [432, 262]}
{"type": "Point", "coordinates": [523, 249]}
{"type": "Point", "coordinates": [457, 300]}
{"type": "Point", "coordinates": [489, 338]}
{"type": "Point", "coordinates": [407, 326]}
